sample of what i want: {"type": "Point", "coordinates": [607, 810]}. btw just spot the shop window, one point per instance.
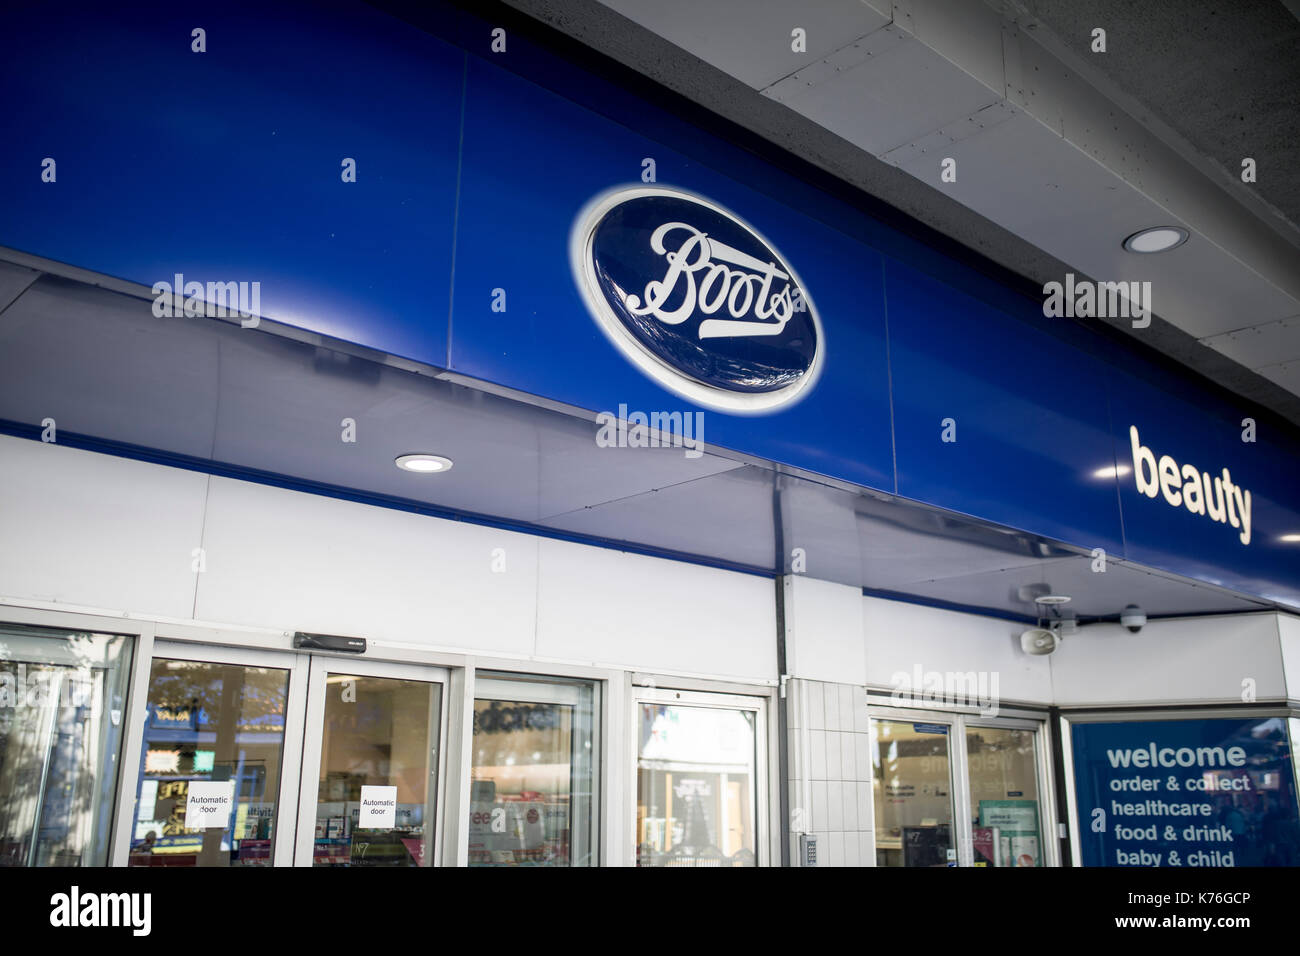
{"type": "Point", "coordinates": [912, 774]}
{"type": "Point", "coordinates": [697, 785]}
{"type": "Point", "coordinates": [62, 699]}
{"type": "Point", "coordinates": [534, 778]}
{"type": "Point", "coordinates": [925, 768]}
{"type": "Point", "coordinates": [1006, 824]}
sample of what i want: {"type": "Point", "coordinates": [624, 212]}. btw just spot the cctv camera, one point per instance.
{"type": "Point", "coordinates": [1133, 617]}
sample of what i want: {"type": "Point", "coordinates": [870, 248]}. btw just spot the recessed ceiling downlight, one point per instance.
{"type": "Point", "coordinates": [423, 464]}
{"type": "Point", "coordinates": [1156, 239]}
{"type": "Point", "coordinates": [1052, 599]}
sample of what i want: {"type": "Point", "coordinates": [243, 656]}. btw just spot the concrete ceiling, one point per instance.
{"type": "Point", "coordinates": [1061, 152]}
{"type": "Point", "coordinates": [1223, 77]}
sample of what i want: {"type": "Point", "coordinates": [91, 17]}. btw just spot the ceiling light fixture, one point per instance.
{"type": "Point", "coordinates": [1156, 239]}
{"type": "Point", "coordinates": [423, 464]}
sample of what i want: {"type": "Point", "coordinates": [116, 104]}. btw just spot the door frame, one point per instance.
{"type": "Point", "coordinates": [764, 838]}
{"type": "Point", "coordinates": [318, 670]}
{"type": "Point", "coordinates": [527, 686]}
{"type": "Point", "coordinates": [291, 746]}
{"type": "Point", "coordinates": [958, 722]}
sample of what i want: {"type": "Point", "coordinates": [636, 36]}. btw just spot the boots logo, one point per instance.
{"type": "Point", "coordinates": [696, 299]}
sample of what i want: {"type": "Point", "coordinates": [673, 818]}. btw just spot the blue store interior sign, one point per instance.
{"type": "Point", "coordinates": [1186, 793]}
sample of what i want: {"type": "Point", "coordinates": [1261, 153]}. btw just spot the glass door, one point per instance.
{"type": "Point", "coordinates": [371, 765]}
{"type": "Point", "coordinates": [217, 781]}
{"type": "Point", "coordinates": [953, 789]}
{"type": "Point", "coordinates": [701, 779]}
{"type": "Point", "coordinates": [1003, 765]}
{"type": "Point", "coordinates": [912, 774]}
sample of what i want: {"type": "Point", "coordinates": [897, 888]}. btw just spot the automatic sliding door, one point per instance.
{"type": "Point", "coordinates": [213, 788]}
{"type": "Point", "coordinates": [371, 765]}
{"type": "Point", "coordinates": [955, 789]}
{"type": "Point", "coordinates": [1004, 807]}
{"type": "Point", "coordinates": [62, 698]}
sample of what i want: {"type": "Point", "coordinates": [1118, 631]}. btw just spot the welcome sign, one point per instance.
{"type": "Point", "coordinates": [1185, 793]}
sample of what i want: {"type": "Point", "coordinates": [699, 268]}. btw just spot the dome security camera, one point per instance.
{"type": "Point", "coordinates": [1133, 617]}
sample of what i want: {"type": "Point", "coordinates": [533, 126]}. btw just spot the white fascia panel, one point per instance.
{"type": "Point", "coordinates": [95, 531]}
{"type": "Point", "coordinates": [903, 638]}
{"type": "Point", "coordinates": [1202, 660]}
{"type": "Point", "coordinates": [823, 631]}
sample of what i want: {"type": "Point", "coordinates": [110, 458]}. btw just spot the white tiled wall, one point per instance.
{"type": "Point", "coordinates": [830, 752]}
{"type": "Point", "coordinates": [830, 771]}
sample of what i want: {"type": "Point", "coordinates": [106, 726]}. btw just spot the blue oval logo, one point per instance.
{"type": "Point", "coordinates": [696, 298]}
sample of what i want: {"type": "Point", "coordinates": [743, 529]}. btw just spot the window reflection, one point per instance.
{"type": "Point", "coordinates": [1004, 796]}
{"type": "Point", "coordinates": [911, 778]}
{"type": "Point", "coordinates": [696, 794]}
{"type": "Point", "coordinates": [214, 733]}
{"type": "Point", "coordinates": [62, 699]}
{"type": "Point", "coordinates": [379, 743]}
{"type": "Point", "coordinates": [532, 793]}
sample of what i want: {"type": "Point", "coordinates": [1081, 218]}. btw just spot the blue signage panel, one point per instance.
{"type": "Point", "coordinates": [1186, 793]}
{"type": "Point", "coordinates": [930, 728]}
{"type": "Point", "coordinates": [220, 157]}
{"type": "Point", "coordinates": [791, 364]}
{"type": "Point", "coordinates": [329, 157]}
{"type": "Point", "coordinates": [1202, 491]}
{"type": "Point", "coordinates": [976, 396]}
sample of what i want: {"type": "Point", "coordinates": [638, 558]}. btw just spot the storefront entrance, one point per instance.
{"type": "Point", "coordinates": [147, 744]}
{"type": "Point", "coordinates": [373, 746]}
{"type": "Point", "coordinates": [254, 757]}
{"type": "Point", "coordinates": [956, 789]}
